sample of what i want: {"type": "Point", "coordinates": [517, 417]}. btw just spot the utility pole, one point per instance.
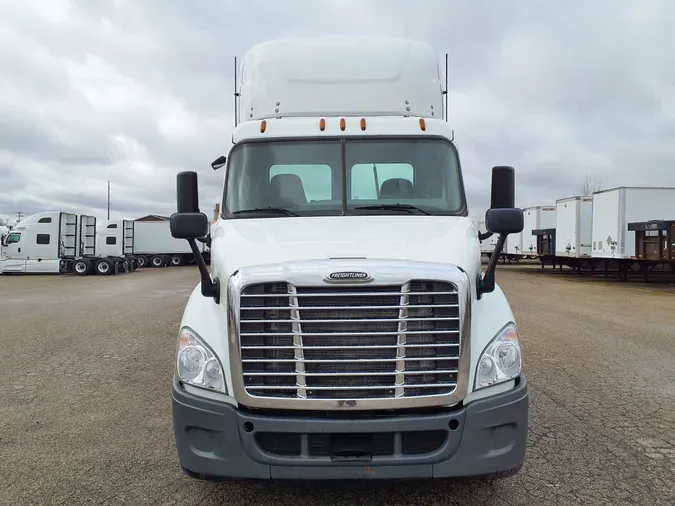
{"type": "Point", "coordinates": [19, 215]}
{"type": "Point", "coordinates": [108, 199]}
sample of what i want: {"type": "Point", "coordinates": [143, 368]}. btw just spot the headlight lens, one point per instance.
{"type": "Point", "coordinates": [196, 364]}
{"type": "Point", "coordinates": [501, 360]}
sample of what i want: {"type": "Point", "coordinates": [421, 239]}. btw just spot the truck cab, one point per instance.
{"type": "Point", "coordinates": [346, 328]}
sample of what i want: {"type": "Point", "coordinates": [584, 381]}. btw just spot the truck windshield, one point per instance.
{"type": "Point", "coordinates": [350, 176]}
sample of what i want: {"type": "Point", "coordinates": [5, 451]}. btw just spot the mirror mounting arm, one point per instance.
{"type": "Point", "coordinates": [484, 235]}
{"type": "Point", "coordinates": [486, 283]}
{"type": "Point", "coordinates": [210, 288]}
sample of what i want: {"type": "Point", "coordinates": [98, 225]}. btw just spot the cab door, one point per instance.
{"type": "Point", "coordinates": [14, 259]}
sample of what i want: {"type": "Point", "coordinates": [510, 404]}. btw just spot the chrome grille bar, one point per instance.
{"type": "Point", "coordinates": [401, 341]}
{"type": "Point", "coordinates": [297, 342]}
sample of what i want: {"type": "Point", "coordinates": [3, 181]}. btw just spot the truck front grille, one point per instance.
{"type": "Point", "coordinates": [356, 342]}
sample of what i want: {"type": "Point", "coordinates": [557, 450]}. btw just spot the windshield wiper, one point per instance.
{"type": "Point", "coordinates": [266, 210]}
{"type": "Point", "coordinates": [394, 207]}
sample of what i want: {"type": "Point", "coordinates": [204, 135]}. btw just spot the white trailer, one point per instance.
{"type": "Point", "coordinates": [514, 245]}
{"type": "Point", "coordinates": [614, 208]}
{"type": "Point", "coordinates": [150, 242]}
{"type": "Point", "coordinates": [574, 225]}
{"type": "Point", "coordinates": [57, 242]}
{"type": "Point", "coordinates": [536, 218]}
{"type": "Point", "coordinates": [487, 246]}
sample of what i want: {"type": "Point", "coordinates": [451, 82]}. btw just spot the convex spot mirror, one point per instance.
{"type": "Point", "coordinates": [218, 162]}
{"type": "Point", "coordinates": [504, 221]}
{"type": "Point", "coordinates": [189, 225]}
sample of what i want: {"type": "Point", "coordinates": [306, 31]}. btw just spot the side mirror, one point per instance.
{"type": "Point", "coordinates": [218, 162]}
{"type": "Point", "coordinates": [503, 192]}
{"type": "Point", "coordinates": [187, 192]}
{"type": "Point", "coordinates": [189, 225]}
{"type": "Point", "coordinates": [504, 221]}
{"type": "Point", "coordinates": [502, 218]}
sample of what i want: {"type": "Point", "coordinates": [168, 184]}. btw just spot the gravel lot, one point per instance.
{"type": "Point", "coordinates": [85, 412]}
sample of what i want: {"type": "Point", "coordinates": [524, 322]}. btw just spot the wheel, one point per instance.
{"type": "Point", "coordinates": [158, 261]}
{"type": "Point", "coordinates": [142, 261]}
{"type": "Point", "coordinates": [83, 267]}
{"type": "Point", "coordinates": [104, 267]}
{"type": "Point", "coordinates": [176, 260]}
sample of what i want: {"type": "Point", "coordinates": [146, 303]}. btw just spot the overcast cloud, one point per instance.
{"type": "Point", "coordinates": [133, 91]}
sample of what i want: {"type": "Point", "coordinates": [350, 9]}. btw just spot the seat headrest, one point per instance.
{"type": "Point", "coordinates": [396, 187]}
{"type": "Point", "coordinates": [287, 190]}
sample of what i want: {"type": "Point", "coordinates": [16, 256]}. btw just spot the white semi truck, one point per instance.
{"type": "Point", "coordinates": [57, 243]}
{"type": "Point", "coordinates": [149, 242]}
{"type": "Point", "coordinates": [345, 328]}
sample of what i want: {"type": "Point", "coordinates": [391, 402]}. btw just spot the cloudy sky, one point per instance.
{"type": "Point", "coordinates": [133, 91]}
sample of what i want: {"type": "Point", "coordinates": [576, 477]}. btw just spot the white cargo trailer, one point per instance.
{"type": "Point", "coordinates": [613, 209]}
{"type": "Point", "coordinates": [535, 218]}
{"type": "Point", "coordinates": [150, 242]}
{"type": "Point", "coordinates": [514, 245]}
{"type": "Point", "coordinates": [574, 222]}
{"type": "Point", "coordinates": [487, 246]}
{"type": "Point", "coordinates": [56, 242]}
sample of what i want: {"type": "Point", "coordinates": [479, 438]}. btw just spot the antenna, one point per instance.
{"type": "Point", "coordinates": [235, 91]}
{"type": "Point", "coordinates": [446, 87]}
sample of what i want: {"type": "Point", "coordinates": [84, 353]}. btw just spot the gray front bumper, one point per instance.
{"type": "Point", "coordinates": [218, 441]}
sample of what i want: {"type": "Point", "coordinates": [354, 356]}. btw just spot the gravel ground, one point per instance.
{"type": "Point", "coordinates": [85, 412]}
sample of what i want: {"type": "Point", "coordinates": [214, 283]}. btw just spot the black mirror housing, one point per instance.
{"type": "Point", "coordinates": [189, 225]}
{"type": "Point", "coordinates": [503, 191]}
{"type": "Point", "coordinates": [504, 221]}
{"type": "Point", "coordinates": [187, 192]}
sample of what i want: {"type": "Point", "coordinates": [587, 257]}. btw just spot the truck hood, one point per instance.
{"type": "Point", "coordinates": [247, 242]}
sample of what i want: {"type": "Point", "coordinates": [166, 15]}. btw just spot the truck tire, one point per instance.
{"type": "Point", "coordinates": [142, 261]}
{"type": "Point", "coordinates": [83, 267]}
{"type": "Point", "coordinates": [104, 267]}
{"type": "Point", "coordinates": [176, 260]}
{"type": "Point", "coordinates": [158, 261]}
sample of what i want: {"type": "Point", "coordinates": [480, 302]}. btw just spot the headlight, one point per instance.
{"type": "Point", "coordinates": [196, 364]}
{"type": "Point", "coordinates": [501, 360]}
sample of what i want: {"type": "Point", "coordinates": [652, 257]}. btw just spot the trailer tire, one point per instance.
{"type": "Point", "coordinates": [142, 261]}
{"type": "Point", "coordinates": [158, 261]}
{"type": "Point", "coordinates": [104, 267]}
{"type": "Point", "coordinates": [83, 267]}
{"type": "Point", "coordinates": [176, 260]}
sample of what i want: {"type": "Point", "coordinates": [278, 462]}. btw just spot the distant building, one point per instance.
{"type": "Point", "coordinates": [153, 217]}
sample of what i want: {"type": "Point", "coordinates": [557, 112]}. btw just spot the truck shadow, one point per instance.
{"type": "Point", "coordinates": [450, 491]}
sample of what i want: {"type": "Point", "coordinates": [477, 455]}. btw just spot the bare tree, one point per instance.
{"type": "Point", "coordinates": [590, 186]}
{"type": "Point", "coordinates": [3, 222]}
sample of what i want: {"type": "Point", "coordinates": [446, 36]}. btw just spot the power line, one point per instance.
{"type": "Point", "coordinates": [19, 216]}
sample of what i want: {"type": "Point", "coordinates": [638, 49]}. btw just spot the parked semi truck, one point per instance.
{"type": "Point", "coordinates": [57, 242]}
{"type": "Point", "coordinates": [150, 243]}
{"type": "Point", "coordinates": [345, 328]}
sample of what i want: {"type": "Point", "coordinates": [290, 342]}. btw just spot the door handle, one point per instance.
{"type": "Point", "coordinates": [19, 250]}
